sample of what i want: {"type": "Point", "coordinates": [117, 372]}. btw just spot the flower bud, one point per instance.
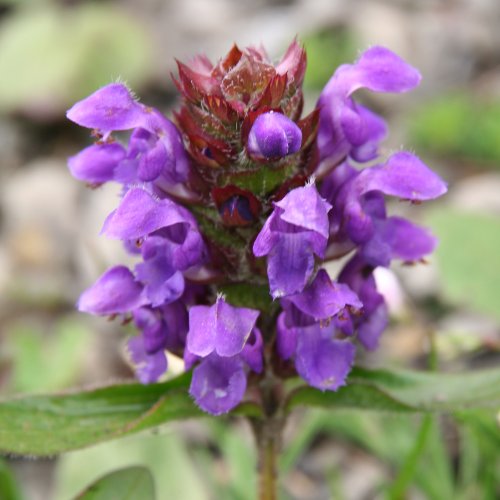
{"type": "Point", "coordinates": [274, 135]}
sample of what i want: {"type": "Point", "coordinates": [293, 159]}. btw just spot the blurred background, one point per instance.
{"type": "Point", "coordinates": [53, 53]}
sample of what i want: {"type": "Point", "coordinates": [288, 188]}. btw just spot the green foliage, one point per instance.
{"type": "Point", "coordinates": [124, 484]}
{"type": "Point", "coordinates": [8, 487]}
{"type": "Point", "coordinates": [51, 57]}
{"type": "Point", "coordinates": [459, 126]}
{"type": "Point", "coordinates": [44, 425]}
{"type": "Point", "coordinates": [468, 258]}
{"type": "Point", "coordinates": [44, 362]}
{"type": "Point", "coordinates": [406, 391]}
{"type": "Point", "coordinates": [326, 50]}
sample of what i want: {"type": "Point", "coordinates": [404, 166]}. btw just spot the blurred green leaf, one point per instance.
{"type": "Point", "coordinates": [458, 125]}
{"type": "Point", "coordinates": [51, 57]}
{"type": "Point", "coordinates": [326, 50]}
{"type": "Point", "coordinates": [47, 362]}
{"type": "Point", "coordinates": [45, 425]}
{"type": "Point", "coordinates": [468, 258]}
{"type": "Point", "coordinates": [8, 487]}
{"type": "Point", "coordinates": [124, 484]}
{"type": "Point", "coordinates": [166, 455]}
{"type": "Point", "coordinates": [406, 391]}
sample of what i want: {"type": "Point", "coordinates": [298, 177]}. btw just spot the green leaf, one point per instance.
{"type": "Point", "coordinates": [8, 487]}
{"type": "Point", "coordinates": [467, 256]}
{"type": "Point", "coordinates": [50, 57]}
{"type": "Point", "coordinates": [406, 391]}
{"type": "Point", "coordinates": [45, 425]}
{"type": "Point", "coordinates": [124, 484]}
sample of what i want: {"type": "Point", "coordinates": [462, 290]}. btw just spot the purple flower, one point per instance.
{"type": "Point", "coordinates": [218, 383]}
{"type": "Point", "coordinates": [220, 328]}
{"type": "Point", "coordinates": [321, 358]}
{"type": "Point", "coordinates": [295, 231]}
{"type": "Point", "coordinates": [115, 292]}
{"type": "Point", "coordinates": [360, 215]}
{"type": "Point", "coordinates": [346, 128]}
{"type": "Point", "coordinates": [141, 214]}
{"type": "Point", "coordinates": [148, 367]}
{"type": "Point", "coordinates": [374, 317]}
{"type": "Point", "coordinates": [274, 135]}
{"type": "Point", "coordinates": [155, 151]}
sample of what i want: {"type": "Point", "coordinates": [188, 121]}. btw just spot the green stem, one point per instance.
{"type": "Point", "coordinates": [406, 473]}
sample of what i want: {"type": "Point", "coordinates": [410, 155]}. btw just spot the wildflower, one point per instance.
{"type": "Point", "coordinates": [244, 193]}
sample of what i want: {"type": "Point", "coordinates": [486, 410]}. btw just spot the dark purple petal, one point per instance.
{"type": "Point", "coordinates": [110, 108]}
{"type": "Point", "coordinates": [148, 368]}
{"type": "Point", "coordinates": [252, 353]}
{"type": "Point", "coordinates": [218, 384]}
{"type": "Point", "coordinates": [274, 135]}
{"type": "Point", "coordinates": [96, 164]}
{"type": "Point", "coordinates": [286, 338]}
{"type": "Point", "coordinates": [397, 238]}
{"type": "Point", "coordinates": [115, 292]}
{"type": "Point", "coordinates": [153, 329]}
{"type": "Point", "coordinates": [321, 360]}
{"type": "Point", "coordinates": [372, 327]}
{"type": "Point", "coordinates": [163, 283]}
{"type": "Point", "coordinates": [140, 214]}
{"type": "Point", "coordinates": [324, 298]}
{"type": "Point", "coordinates": [152, 163]}
{"type": "Point", "coordinates": [267, 238]}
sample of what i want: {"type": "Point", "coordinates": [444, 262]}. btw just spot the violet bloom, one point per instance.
{"type": "Point", "coordinates": [295, 232]}
{"type": "Point", "coordinates": [360, 216]}
{"type": "Point", "coordinates": [155, 151]}
{"type": "Point", "coordinates": [226, 342]}
{"type": "Point", "coordinates": [274, 135]}
{"type": "Point", "coordinates": [347, 128]}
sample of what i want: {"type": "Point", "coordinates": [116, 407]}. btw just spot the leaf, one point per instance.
{"type": "Point", "coordinates": [467, 256]}
{"type": "Point", "coordinates": [406, 391]}
{"type": "Point", "coordinates": [123, 484]}
{"type": "Point", "coordinates": [45, 425]}
{"type": "Point", "coordinates": [8, 487]}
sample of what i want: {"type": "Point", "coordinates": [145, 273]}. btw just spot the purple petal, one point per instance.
{"type": "Point", "coordinates": [139, 214]}
{"type": "Point", "coordinates": [305, 208]}
{"type": "Point", "coordinates": [110, 108]}
{"type": "Point", "coordinates": [218, 384]}
{"type": "Point", "coordinates": [324, 298]}
{"type": "Point", "coordinates": [290, 264]}
{"type": "Point", "coordinates": [152, 163]}
{"type": "Point", "coordinates": [374, 132]}
{"type": "Point", "coordinates": [202, 330]}
{"type": "Point", "coordinates": [115, 292]}
{"type": "Point", "coordinates": [234, 325]}
{"type": "Point", "coordinates": [404, 176]}
{"type": "Point", "coordinates": [322, 361]}
{"type": "Point", "coordinates": [267, 238]}
{"type": "Point", "coordinates": [397, 238]}
{"type": "Point", "coordinates": [148, 368]}
{"type": "Point", "coordinates": [286, 338]}
{"type": "Point", "coordinates": [163, 283]}
{"type": "Point", "coordinates": [379, 70]}
{"type": "Point", "coordinates": [154, 333]}
{"type": "Point", "coordinates": [274, 135]}
{"type": "Point", "coordinates": [252, 353]}
{"type": "Point", "coordinates": [372, 327]}
{"type": "Point", "coordinates": [96, 164]}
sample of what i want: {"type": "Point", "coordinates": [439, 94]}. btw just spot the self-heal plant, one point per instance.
{"type": "Point", "coordinates": [233, 212]}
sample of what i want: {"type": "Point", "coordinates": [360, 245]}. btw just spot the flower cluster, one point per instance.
{"type": "Point", "coordinates": [244, 195]}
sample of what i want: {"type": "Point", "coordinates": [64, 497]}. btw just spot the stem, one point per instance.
{"type": "Point", "coordinates": [268, 436]}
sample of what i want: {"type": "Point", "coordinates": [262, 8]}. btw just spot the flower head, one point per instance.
{"type": "Point", "coordinates": [243, 195]}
